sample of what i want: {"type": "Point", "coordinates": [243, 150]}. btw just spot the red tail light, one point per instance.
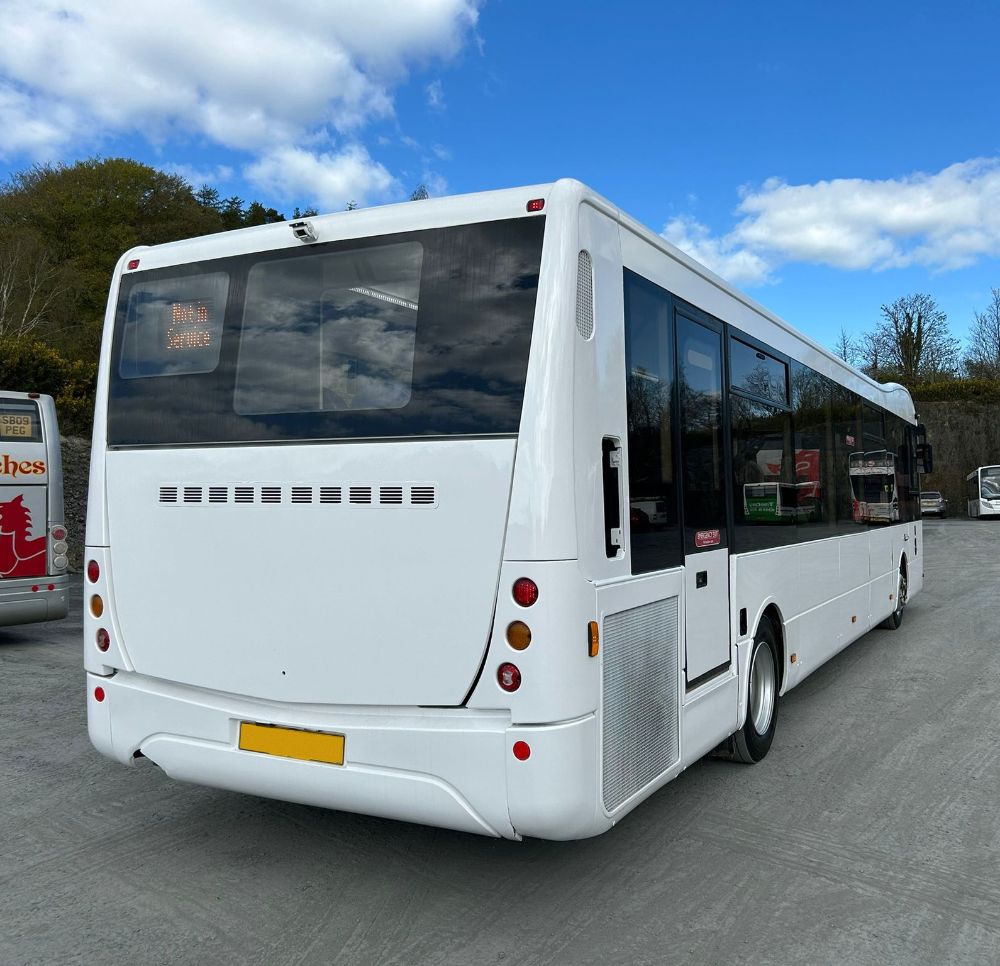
{"type": "Point", "coordinates": [508, 677]}
{"type": "Point", "coordinates": [98, 693]}
{"type": "Point", "coordinates": [525, 591]}
{"type": "Point", "coordinates": [93, 571]}
{"type": "Point", "coordinates": [103, 639]}
{"type": "Point", "coordinates": [522, 750]}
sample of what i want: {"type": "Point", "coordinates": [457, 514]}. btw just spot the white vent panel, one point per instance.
{"type": "Point", "coordinates": [640, 698]}
{"type": "Point", "coordinates": [585, 295]}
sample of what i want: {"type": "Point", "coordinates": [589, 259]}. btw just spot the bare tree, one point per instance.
{"type": "Point", "coordinates": [846, 347]}
{"type": "Point", "coordinates": [870, 353]}
{"type": "Point", "coordinates": [915, 341]}
{"type": "Point", "coordinates": [982, 358]}
{"type": "Point", "coordinates": [29, 284]}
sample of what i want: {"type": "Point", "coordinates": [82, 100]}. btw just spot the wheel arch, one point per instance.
{"type": "Point", "coordinates": [773, 614]}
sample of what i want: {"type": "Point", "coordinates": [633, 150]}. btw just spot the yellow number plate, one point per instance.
{"type": "Point", "coordinates": [292, 743]}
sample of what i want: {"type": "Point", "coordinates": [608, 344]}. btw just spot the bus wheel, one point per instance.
{"type": "Point", "coordinates": [896, 617]}
{"type": "Point", "coordinates": [753, 740]}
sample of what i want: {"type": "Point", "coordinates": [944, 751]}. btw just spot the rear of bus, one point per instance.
{"type": "Point", "coordinates": [33, 538]}
{"type": "Point", "coordinates": [300, 541]}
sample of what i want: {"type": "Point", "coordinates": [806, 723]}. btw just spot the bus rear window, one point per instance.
{"type": "Point", "coordinates": [173, 326]}
{"type": "Point", "coordinates": [20, 422]}
{"type": "Point", "coordinates": [330, 332]}
{"type": "Point", "coordinates": [420, 333]}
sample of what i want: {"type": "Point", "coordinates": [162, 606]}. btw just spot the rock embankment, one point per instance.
{"type": "Point", "coordinates": [76, 477]}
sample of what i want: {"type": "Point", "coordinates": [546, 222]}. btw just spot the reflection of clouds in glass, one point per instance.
{"type": "Point", "coordinates": [329, 346]}
{"type": "Point", "coordinates": [347, 345]}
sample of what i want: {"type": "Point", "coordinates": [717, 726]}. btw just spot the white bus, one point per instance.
{"type": "Point", "coordinates": [33, 547]}
{"type": "Point", "coordinates": [361, 526]}
{"type": "Point", "coordinates": [983, 488]}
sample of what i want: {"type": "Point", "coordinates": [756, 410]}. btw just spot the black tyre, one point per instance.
{"type": "Point", "coordinates": [892, 622]}
{"type": "Point", "coordinates": [752, 741]}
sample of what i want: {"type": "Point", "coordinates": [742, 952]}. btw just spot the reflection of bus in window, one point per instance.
{"type": "Point", "coordinates": [873, 487]}
{"type": "Point", "coordinates": [33, 548]}
{"type": "Point", "coordinates": [769, 500]}
{"type": "Point", "coordinates": [983, 492]}
{"type": "Point", "coordinates": [446, 518]}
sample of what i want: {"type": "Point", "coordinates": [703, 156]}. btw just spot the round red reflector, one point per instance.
{"type": "Point", "coordinates": [103, 639]}
{"type": "Point", "coordinates": [522, 750]}
{"type": "Point", "coordinates": [508, 677]}
{"type": "Point", "coordinates": [34, 588]}
{"type": "Point", "coordinates": [98, 693]}
{"type": "Point", "coordinates": [93, 571]}
{"type": "Point", "coordinates": [58, 533]}
{"type": "Point", "coordinates": [52, 586]}
{"type": "Point", "coordinates": [525, 591]}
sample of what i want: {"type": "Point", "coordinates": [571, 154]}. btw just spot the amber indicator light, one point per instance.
{"type": "Point", "coordinates": [518, 635]}
{"type": "Point", "coordinates": [593, 639]}
{"type": "Point", "coordinates": [96, 605]}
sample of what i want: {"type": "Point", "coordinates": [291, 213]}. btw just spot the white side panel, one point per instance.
{"type": "Point", "coordinates": [599, 396]}
{"type": "Point", "coordinates": [542, 522]}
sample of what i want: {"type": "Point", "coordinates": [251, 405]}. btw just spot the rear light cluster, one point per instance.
{"type": "Point", "coordinates": [102, 638]}
{"type": "Point", "coordinates": [60, 548]}
{"type": "Point", "coordinates": [525, 593]}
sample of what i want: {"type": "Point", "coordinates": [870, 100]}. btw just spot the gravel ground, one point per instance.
{"type": "Point", "coordinates": [870, 835]}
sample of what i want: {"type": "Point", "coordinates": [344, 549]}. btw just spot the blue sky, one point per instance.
{"type": "Point", "coordinates": [824, 158]}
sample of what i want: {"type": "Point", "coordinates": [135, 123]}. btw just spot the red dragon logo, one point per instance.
{"type": "Point", "coordinates": [21, 555]}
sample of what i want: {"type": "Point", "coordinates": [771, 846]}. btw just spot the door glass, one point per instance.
{"type": "Point", "coordinates": [700, 378]}
{"type": "Point", "coordinates": [655, 536]}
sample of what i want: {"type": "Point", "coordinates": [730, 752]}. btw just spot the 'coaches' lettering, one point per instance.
{"type": "Point", "coordinates": [12, 467]}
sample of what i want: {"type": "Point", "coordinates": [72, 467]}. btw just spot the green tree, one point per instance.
{"type": "Point", "coordinates": [81, 218]}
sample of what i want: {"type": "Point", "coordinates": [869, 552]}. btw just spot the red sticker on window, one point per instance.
{"type": "Point", "coordinates": [707, 538]}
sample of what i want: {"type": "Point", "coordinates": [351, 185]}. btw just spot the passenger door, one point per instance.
{"type": "Point", "coordinates": [703, 480]}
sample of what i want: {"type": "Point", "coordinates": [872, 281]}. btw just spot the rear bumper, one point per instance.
{"type": "Point", "coordinates": [452, 768]}
{"type": "Point", "coordinates": [29, 599]}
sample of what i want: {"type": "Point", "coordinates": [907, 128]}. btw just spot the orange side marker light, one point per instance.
{"type": "Point", "coordinates": [593, 639]}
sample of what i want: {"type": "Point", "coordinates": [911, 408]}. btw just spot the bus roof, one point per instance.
{"type": "Point", "coordinates": [495, 205]}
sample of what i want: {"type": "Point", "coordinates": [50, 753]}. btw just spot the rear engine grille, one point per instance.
{"type": "Point", "coordinates": [640, 698]}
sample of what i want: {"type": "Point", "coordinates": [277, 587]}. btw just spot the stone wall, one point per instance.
{"type": "Point", "coordinates": [964, 435]}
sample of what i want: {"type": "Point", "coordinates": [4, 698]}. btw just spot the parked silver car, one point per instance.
{"type": "Point", "coordinates": [931, 501]}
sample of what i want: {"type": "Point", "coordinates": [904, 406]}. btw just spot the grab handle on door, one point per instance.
{"type": "Point", "coordinates": [701, 578]}
{"type": "Point", "coordinates": [611, 465]}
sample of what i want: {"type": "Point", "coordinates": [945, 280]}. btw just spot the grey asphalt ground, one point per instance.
{"type": "Point", "coordinates": [870, 834]}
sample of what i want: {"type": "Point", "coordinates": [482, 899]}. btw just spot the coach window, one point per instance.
{"type": "Point", "coordinates": [847, 439]}
{"type": "Point", "coordinates": [757, 373]}
{"type": "Point", "coordinates": [652, 480]}
{"type": "Point", "coordinates": [815, 459]}
{"type": "Point", "coordinates": [895, 438]}
{"type": "Point", "coordinates": [765, 495]}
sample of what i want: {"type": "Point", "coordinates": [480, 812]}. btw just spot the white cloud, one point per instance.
{"type": "Point", "coordinates": [940, 221]}
{"type": "Point", "coordinates": [249, 75]}
{"type": "Point", "coordinates": [196, 177]}
{"type": "Point", "coordinates": [738, 265]}
{"type": "Point", "coordinates": [328, 181]}
{"type": "Point", "coordinates": [435, 96]}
